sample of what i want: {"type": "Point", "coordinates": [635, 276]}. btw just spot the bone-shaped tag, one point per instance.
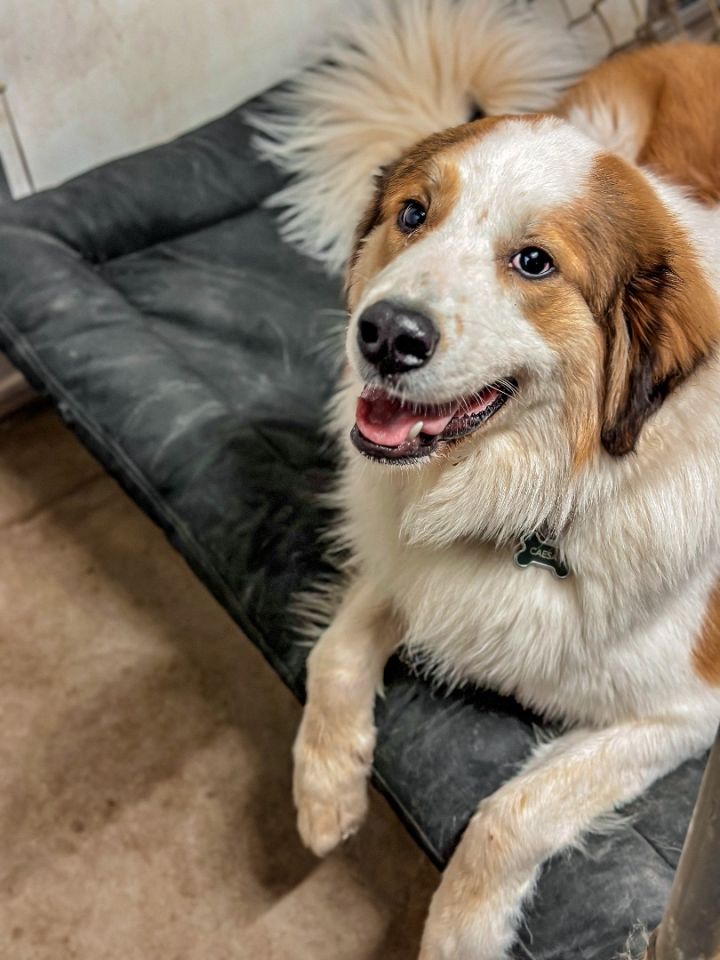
{"type": "Point", "coordinates": [542, 552]}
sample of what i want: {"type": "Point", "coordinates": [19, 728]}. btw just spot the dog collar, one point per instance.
{"type": "Point", "coordinates": [541, 549]}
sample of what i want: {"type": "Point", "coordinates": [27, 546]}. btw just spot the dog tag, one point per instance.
{"type": "Point", "coordinates": [542, 552]}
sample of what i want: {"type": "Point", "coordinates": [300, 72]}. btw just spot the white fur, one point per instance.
{"type": "Point", "coordinates": [611, 126]}
{"type": "Point", "coordinates": [432, 538]}
{"type": "Point", "coordinates": [405, 69]}
{"type": "Point", "coordinates": [607, 651]}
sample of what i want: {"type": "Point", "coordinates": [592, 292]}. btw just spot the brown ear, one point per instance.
{"type": "Point", "coordinates": [662, 324]}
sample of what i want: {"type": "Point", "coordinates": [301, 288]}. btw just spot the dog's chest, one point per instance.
{"type": "Point", "coordinates": [473, 616]}
{"type": "Point", "coordinates": [471, 612]}
{"type": "Point", "coordinates": [601, 644]}
{"type": "Point", "coordinates": [480, 617]}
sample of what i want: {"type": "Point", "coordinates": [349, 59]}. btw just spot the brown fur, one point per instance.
{"type": "Point", "coordinates": [663, 318]}
{"type": "Point", "coordinates": [669, 91]}
{"type": "Point", "coordinates": [706, 654]}
{"type": "Point", "coordinates": [621, 254]}
{"type": "Point", "coordinates": [633, 265]}
{"type": "Point", "coordinates": [559, 313]}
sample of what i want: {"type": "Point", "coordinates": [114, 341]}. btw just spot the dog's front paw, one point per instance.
{"type": "Point", "coordinates": [464, 924]}
{"type": "Point", "coordinates": [459, 935]}
{"type": "Point", "coordinates": [330, 781]}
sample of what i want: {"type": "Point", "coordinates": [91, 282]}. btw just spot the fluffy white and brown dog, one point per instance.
{"type": "Point", "coordinates": [533, 357]}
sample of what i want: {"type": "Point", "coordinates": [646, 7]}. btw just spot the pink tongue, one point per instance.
{"type": "Point", "coordinates": [382, 419]}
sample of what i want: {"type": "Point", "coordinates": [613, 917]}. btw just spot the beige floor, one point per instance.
{"type": "Point", "coordinates": [145, 752]}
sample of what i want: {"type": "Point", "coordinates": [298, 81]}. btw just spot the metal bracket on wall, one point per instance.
{"type": "Point", "coordinates": [15, 135]}
{"type": "Point", "coordinates": [4, 185]}
{"type": "Point", "coordinates": [15, 391]}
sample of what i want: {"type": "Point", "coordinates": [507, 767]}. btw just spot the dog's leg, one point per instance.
{"type": "Point", "coordinates": [567, 784]}
{"type": "Point", "coordinates": [334, 746]}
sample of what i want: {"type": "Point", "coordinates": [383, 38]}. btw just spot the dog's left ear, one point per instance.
{"type": "Point", "coordinates": [662, 323]}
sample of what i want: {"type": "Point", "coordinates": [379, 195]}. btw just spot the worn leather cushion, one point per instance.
{"type": "Point", "coordinates": [187, 346]}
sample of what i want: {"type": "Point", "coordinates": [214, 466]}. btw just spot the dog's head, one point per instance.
{"type": "Point", "coordinates": [509, 268]}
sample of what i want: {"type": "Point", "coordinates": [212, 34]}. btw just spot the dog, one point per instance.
{"type": "Point", "coordinates": [529, 419]}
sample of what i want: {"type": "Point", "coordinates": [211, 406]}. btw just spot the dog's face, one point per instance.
{"type": "Point", "coordinates": [506, 269]}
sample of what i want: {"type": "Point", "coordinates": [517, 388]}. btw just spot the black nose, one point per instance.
{"type": "Point", "coordinates": [394, 338]}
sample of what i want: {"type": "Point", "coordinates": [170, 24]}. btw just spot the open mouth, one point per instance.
{"type": "Point", "coordinates": [390, 431]}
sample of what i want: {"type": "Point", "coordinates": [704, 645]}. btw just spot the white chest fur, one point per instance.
{"type": "Point", "coordinates": [473, 616]}
{"type": "Point", "coordinates": [612, 641]}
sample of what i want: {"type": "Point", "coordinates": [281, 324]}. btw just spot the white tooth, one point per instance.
{"type": "Point", "coordinates": [415, 430]}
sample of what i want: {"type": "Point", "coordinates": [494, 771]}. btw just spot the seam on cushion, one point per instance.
{"type": "Point", "coordinates": [168, 238]}
{"type": "Point", "coordinates": [653, 846]}
{"type": "Point", "coordinates": [36, 233]}
{"type": "Point", "coordinates": [430, 848]}
{"type": "Point", "coordinates": [98, 259]}
{"type": "Point", "coordinates": [164, 247]}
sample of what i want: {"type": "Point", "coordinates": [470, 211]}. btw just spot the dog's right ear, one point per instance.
{"type": "Point", "coordinates": [661, 326]}
{"type": "Point", "coordinates": [641, 327]}
{"type": "Point", "coordinates": [649, 293]}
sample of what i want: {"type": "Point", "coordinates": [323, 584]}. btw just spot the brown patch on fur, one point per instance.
{"type": "Point", "coordinates": [706, 653]}
{"type": "Point", "coordinates": [585, 432]}
{"type": "Point", "coordinates": [633, 265]}
{"type": "Point", "coordinates": [560, 315]}
{"type": "Point", "coordinates": [667, 91]}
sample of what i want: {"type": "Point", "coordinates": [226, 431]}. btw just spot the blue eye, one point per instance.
{"type": "Point", "coordinates": [412, 215]}
{"type": "Point", "coordinates": [533, 262]}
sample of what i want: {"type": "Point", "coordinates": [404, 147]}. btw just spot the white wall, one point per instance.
{"type": "Point", "coordinates": [88, 80]}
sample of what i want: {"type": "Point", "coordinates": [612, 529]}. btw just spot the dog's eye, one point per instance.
{"type": "Point", "coordinates": [412, 215]}
{"type": "Point", "coordinates": [533, 262]}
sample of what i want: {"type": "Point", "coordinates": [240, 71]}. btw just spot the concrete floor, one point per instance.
{"type": "Point", "coordinates": [145, 807]}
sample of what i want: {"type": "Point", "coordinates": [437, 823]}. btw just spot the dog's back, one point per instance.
{"type": "Point", "coordinates": [657, 107]}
